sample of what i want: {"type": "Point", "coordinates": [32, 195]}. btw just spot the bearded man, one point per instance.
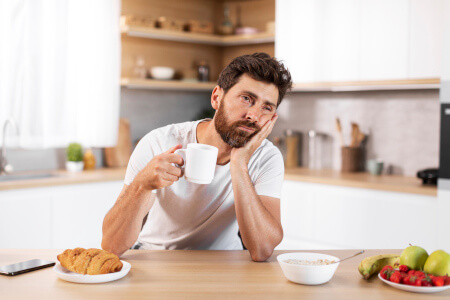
{"type": "Point", "coordinates": [240, 209]}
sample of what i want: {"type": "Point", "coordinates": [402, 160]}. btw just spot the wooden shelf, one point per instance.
{"type": "Point", "coordinates": [151, 84]}
{"type": "Point", "coordinates": [199, 38]}
{"type": "Point", "coordinates": [349, 86]}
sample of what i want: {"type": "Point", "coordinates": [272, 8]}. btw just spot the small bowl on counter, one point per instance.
{"type": "Point", "coordinates": [162, 73]}
{"type": "Point", "coordinates": [308, 268]}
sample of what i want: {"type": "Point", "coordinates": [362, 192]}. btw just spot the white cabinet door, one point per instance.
{"type": "Point", "coordinates": [316, 216]}
{"type": "Point", "coordinates": [296, 38]}
{"type": "Point", "coordinates": [25, 220]}
{"type": "Point", "coordinates": [384, 39]}
{"type": "Point", "coordinates": [78, 212]}
{"type": "Point", "coordinates": [426, 37]}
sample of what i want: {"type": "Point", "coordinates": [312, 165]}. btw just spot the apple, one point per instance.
{"type": "Point", "coordinates": [414, 257]}
{"type": "Point", "coordinates": [438, 263]}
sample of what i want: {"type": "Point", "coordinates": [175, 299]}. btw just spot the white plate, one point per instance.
{"type": "Point", "coordinates": [67, 275]}
{"type": "Point", "coordinates": [415, 289]}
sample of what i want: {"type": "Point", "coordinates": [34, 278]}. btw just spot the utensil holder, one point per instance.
{"type": "Point", "coordinates": [352, 159]}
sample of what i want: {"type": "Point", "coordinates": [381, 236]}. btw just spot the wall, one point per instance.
{"type": "Point", "coordinates": [403, 126]}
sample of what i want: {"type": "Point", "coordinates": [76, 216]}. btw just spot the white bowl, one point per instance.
{"type": "Point", "coordinates": [307, 274]}
{"type": "Point", "coordinates": [164, 73]}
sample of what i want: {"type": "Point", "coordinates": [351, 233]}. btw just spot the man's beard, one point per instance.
{"type": "Point", "coordinates": [230, 133]}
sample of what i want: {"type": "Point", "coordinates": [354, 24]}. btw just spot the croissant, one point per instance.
{"type": "Point", "coordinates": [91, 261]}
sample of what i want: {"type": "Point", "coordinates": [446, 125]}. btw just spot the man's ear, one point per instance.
{"type": "Point", "coordinates": [216, 97]}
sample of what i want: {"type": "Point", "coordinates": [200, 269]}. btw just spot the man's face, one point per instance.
{"type": "Point", "coordinates": [246, 107]}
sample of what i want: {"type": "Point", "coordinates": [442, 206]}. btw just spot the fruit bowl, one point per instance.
{"type": "Point", "coordinates": [415, 289]}
{"type": "Point", "coordinates": [307, 274]}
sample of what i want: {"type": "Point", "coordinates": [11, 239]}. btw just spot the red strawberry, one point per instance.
{"type": "Point", "coordinates": [403, 268]}
{"type": "Point", "coordinates": [446, 280]}
{"type": "Point", "coordinates": [425, 282]}
{"type": "Point", "coordinates": [412, 280]}
{"type": "Point", "coordinates": [411, 272]}
{"type": "Point", "coordinates": [419, 274]}
{"type": "Point", "coordinates": [405, 279]}
{"type": "Point", "coordinates": [386, 272]}
{"type": "Point", "coordinates": [438, 280]}
{"type": "Point", "coordinates": [396, 277]}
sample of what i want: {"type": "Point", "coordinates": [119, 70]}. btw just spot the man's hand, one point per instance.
{"type": "Point", "coordinates": [242, 155]}
{"type": "Point", "coordinates": [160, 172]}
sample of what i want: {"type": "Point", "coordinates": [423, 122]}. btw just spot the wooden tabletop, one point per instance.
{"type": "Point", "coordinates": [183, 274]}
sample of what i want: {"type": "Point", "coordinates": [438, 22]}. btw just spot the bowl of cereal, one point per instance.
{"type": "Point", "coordinates": [308, 268]}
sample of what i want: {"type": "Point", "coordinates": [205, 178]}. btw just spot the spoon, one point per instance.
{"type": "Point", "coordinates": [361, 252]}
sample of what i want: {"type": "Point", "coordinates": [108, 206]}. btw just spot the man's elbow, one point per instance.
{"type": "Point", "coordinates": [113, 248]}
{"type": "Point", "coordinates": [262, 254]}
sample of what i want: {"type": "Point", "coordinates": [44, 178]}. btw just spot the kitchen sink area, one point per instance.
{"type": "Point", "coordinates": [14, 177]}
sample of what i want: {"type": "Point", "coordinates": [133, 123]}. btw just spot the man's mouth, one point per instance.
{"type": "Point", "coordinates": [247, 128]}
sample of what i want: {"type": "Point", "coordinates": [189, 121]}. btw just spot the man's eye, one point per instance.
{"type": "Point", "coordinates": [245, 98]}
{"type": "Point", "coordinates": [268, 108]}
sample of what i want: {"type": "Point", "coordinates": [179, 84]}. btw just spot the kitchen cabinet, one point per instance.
{"type": "Point", "coordinates": [319, 216]}
{"type": "Point", "coordinates": [56, 217]}
{"type": "Point", "coordinates": [350, 41]}
{"type": "Point", "coordinates": [181, 50]}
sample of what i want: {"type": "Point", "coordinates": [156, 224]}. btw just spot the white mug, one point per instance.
{"type": "Point", "coordinates": [199, 162]}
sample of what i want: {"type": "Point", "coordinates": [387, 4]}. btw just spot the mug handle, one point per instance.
{"type": "Point", "coordinates": [182, 153]}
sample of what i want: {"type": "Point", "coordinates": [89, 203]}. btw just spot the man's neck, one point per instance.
{"type": "Point", "coordinates": [207, 134]}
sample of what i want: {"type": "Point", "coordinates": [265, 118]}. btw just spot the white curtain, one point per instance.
{"type": "Point", "coordinates": [60, 71]}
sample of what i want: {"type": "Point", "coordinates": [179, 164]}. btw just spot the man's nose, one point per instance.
{"type": "Point", "coordinates": [253, 114]}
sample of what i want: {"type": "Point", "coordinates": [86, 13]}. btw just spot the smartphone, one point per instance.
{"type": "Point", "coordinates": [25, 266]}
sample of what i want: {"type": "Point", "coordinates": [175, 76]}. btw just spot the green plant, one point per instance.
{"type": "Point", "coordinates": [74, 152]}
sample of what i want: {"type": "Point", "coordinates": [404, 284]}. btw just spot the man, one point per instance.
{"type": "Point", "coordinates": [244, 195]}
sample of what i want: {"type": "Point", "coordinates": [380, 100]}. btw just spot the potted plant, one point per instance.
{"type": "Point", "coordinates": [74, 161]}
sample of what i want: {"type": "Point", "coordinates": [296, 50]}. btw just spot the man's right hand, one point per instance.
{"type": "Point", "coordinates": [160, 172]}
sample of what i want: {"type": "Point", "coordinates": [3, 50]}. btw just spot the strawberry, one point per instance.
{"type": "Point", "coordinates": [419, 274]}
{"type": "Point", "coordinates": [412, 280]}
{"type": "Point", "coordinates": [396, 277]}
{"type": "Point", "coordinates": [425, 282]}
{"type": "Point", "coordinates": [438, 280]}
{"type": "Point", "coordinates": [386, 272]}
{"type": "Point", "coordinates": [405, 279]}
{"type": "Point", "coordinates": [446, 280]}
{"type": "Point", "coordinates": [411, 272]}
{"type": "Point", "coordinates": [403, 268]}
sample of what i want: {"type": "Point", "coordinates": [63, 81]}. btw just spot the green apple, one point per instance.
{"type": "Point", "coordinates": [414, 257]}
{"type": "Point", "coordinates": [438, 263]}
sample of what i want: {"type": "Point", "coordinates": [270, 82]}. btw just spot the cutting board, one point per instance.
{"type": "Point", "coordinates": [119, 155]}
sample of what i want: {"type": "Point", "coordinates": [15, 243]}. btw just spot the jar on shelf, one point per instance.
{"type": "Point", "coordinates": [203, 71]}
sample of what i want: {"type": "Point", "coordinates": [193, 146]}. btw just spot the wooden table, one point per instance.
{"type": "Point", "coordinates": [182, 274]}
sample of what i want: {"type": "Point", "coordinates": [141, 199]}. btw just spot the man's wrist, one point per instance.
{"type": "Point", "coordinates": [239, 165]}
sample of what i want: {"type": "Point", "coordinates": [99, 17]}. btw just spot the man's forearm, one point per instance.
{"type": "Point", "coordinates": [123, 222]}
{"type": "Point", "coordinates": [260, 231]}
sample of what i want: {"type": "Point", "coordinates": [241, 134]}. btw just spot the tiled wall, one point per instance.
{"type": "Point", "coordinates": [403, 126]}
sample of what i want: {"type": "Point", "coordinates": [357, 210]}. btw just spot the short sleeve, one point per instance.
{"type": "Point", "coordinates": [142, 155]}
{"type": "Point", "coordinates": [270, 174]}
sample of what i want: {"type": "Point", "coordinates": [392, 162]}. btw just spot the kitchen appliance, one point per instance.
{"type": "Point", "coordinates": [429, 176]}
{"type": "Point", "coordinates": [319, 150]}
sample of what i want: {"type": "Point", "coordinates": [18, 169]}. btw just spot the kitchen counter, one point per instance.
{"type": "Point", "coordinates": [63, 177]}
{"type": "Point", "coordinates": [393, 183]}
{"type": "Point", "coordinates": [184, 274]}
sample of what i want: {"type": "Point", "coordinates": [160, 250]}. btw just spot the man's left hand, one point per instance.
{"type": "Point", "coordinates": [242, 155]}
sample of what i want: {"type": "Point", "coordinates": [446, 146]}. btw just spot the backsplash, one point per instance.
{"type": "Point", "coordinates": [403, 126]}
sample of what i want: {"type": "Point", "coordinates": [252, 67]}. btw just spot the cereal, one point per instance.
{"type": "Point", "coordinates": [317, 262]}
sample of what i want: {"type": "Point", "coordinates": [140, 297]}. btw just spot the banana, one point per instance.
{"type": "Point", "coordinates": [373, 264]}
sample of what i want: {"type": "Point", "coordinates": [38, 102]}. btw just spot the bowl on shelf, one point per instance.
{"type": "Point", "coordinates": [162, 73]}
{"type": "Point", "coordinates": [308, 274]}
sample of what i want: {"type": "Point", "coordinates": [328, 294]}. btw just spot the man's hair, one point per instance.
{"type": "Point", "coordinates": [259, 66]}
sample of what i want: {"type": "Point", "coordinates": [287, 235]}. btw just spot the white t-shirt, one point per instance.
{"type": "Point", "coordinates": [186, 215]}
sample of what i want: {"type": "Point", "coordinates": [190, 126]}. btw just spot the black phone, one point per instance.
{"type": "Point", "coordinates": [25, 266]}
